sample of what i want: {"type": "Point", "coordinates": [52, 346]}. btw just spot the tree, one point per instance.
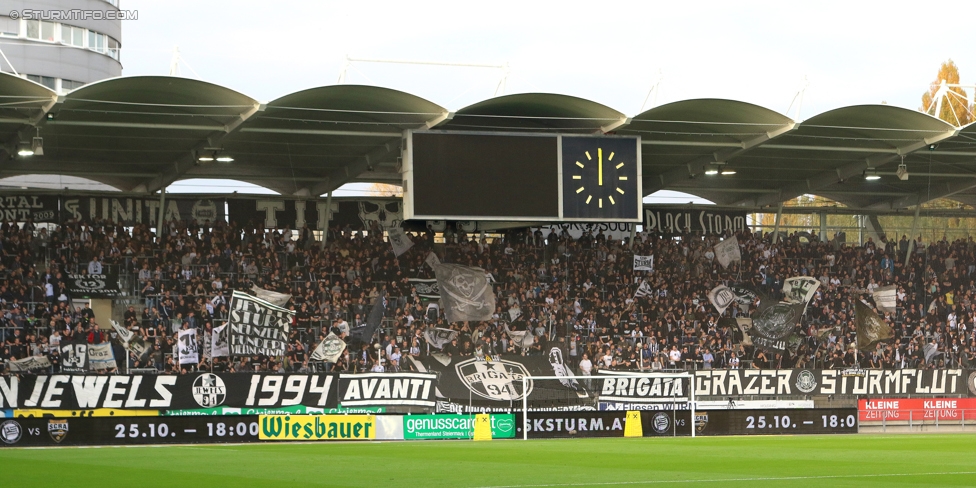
{"type": "Point", "coordinates": [385, 190]}
{"type": "Point", "coordinates": [955, 107]}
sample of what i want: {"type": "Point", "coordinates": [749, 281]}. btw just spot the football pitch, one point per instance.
{"type": "Point", "coordinates": [841, 460]}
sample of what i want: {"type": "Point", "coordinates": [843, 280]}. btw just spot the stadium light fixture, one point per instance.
{"type": "Point", "coordinates": [726, 171]}
{"type": "Point", "coordinates": [25, 151]}
{"type": "Point", "coordinates": [37, 145]}
{"type": "Point", "coordinates": [225, 159]}
{"type": "Point", "coordinates": [871, 175]}
{"type": "Point", "coordinates": [711, 169]}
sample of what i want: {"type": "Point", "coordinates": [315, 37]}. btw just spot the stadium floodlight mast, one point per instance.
{"type": "Point", "coordinates": [680, 376]}
{"type": "Point", "coordinates": [499, 89]}
{"type": "Point", "coordinates": [945, 95]}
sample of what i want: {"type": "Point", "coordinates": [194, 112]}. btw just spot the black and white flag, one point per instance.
{"type": "Point", "coordinates": [130, 341]}
{"type": "Point", "coordinates": [800, 289]}
{"type": "Point", "coordinates": [745, 325]}
{"type": "Point", "coordinates": [871, 329]}
{"type": "Point", "coordinates": [466, 294]}
{"type": "Point", "coordinates": [74, 355]}
{"type": "Point", "coordinates": [218, 342]}
{"type": "Point", "coordinates": [330, 349]}
{"type": "Point", "coordinates": [101, 357]}
{"type": "Point", "coordinates": [773, 324]}
{"type": "Point", "coordinates": [643, 290]}
{"type": "Point", "coordinates": [399, 240]}
{"type": "Point", "coordinates": [721, 297]}
{"type": "Point", "coordinates": [885, 298]}
{"type": "Point", "coordinates": [257, 327]}
{"type": "Point", "coordinates": [728, 251]}
{"type": "Point", "coordinates": [272, 297]}
{"type": "Point", "coordinates": [30, 363]}
{"type": "Point", "coordinates": [432, 260]}
{"type": "Point", "coordinates": [188, 350]}
{"type": "Point", "coordinates": [643, 263]}
{"type": "Point", "coordinates": [426, 288]}
{"type": "Point", "coordinates": [438, 337]}
{"type": "Point", "coordinates": [520, 338]}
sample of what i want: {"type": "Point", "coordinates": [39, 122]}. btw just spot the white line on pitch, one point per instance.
{"type": "Point", "coordinates": [780, 478]}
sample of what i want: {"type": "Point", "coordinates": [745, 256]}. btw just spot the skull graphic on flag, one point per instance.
{"type": "Point", "coordinates": [466, 294]}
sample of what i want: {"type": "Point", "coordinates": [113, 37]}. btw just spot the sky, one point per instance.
{"type": "Point", "coordinates": [844, 53]}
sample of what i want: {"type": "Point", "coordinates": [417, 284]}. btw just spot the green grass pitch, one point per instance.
{"type": "Point", "coordinates": [824, 461]}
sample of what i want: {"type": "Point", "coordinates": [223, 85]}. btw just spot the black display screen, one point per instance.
{"type": "Point", "coordinates": [74, 431]}
{"type": "Point", "coordinates": [485, 176]}
{"type": "Point", "coordinates": [780, 421]}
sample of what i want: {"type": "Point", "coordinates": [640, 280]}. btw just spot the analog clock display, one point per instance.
{"type": "Point", "coordinates": [600, 178]}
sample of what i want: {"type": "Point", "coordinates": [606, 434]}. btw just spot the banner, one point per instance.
{"type": "Point", "coordinates": [800, 289]}
{"type": "Point", "coordinates": [316, 427]}
{"type": "Point", "coordinates": [643, 290]}
{"type": "Point", "coordinates": [745, 325]}
{"type": "Point", "coordinates": [438, 337]}
{"type": "Point", "coordinates": [257, 327]}
{"type": "Point", "coordinates": [916, 409]}
{"type": "Point", "coordinates": [549, 425]}
{"type": "Point", "coordinates": [289, 410]}
{"type": "Point", "coordinates": [355, 214]}
{"type": "Point", "coordinates": [871, 329]}
{"type": "Point", "coordinates": [30, 363]}
{"type": "Point", "coordinates": [219, 346]}
{"type": "Point", "coordinates": [466, 293]}
{"type": "Point", "coordinates": [721, 297]}
{"type": "Point", "coordinates": [272, 297]}
{"type": "Point", "coordinates": [643, 263]}
{"type": "Point", "coordinates": [101, 357]}
{"type": "Point", "coordinates": [387, 389]}
{"type": "Point", "coordinates": [187, 348]}
{"type": "Point", "coordinates": [773, 324]}
{"type": "Point", "coordinates": [669, 221]}
{"type": "Point", "coordinates": [880, 382]}
{"type": "Point", "coordinates": [93, 285]}
{"type": "Point", "coordinates": [399, 240]}
{"type": "Point", "coordinates": [885, 298]}
{"type": "Point", "coordinates": [125, 430]}
{"type": "Point", "coordinates": [503, 426]}
{"type": "Point", "coordinates": [134, 391]}
{"type": "Point", "coordinates": [746, 296]}
{"type": "Point", "coordinates": [426, 288]}
{"type": "Point", "coordinates": [36, 208]}
{"type": "Point", "coordinates": [617, 387]}
{"type": "Point", "coordinates": [134, 211]}
{"type": "Point", "coordinates": [728, 251]}
{"type": "Point", "coordinates": [774, 422]}
{"type": "Point", "coordinates": [74, 355]}
{"type": "Point", "coordinates": [330, 349]}
{"type": "Point", "coordinates": [131, 342]}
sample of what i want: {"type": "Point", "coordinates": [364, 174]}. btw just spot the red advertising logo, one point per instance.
{"type": "Point", "coordinates": [916, 409]}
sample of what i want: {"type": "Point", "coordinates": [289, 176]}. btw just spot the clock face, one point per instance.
{"type": "Point", "coordinates": [600, 178]}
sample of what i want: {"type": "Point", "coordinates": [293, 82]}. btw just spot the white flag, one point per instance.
{"type": "Point", "coordinates": [721, 297]}
{"type": "Point", "coordinates": [800, 289]}
{"type": "Point", "coordinates": [439, 337]}
{"type": "Point", "coordinates": [218, 342]}
{"type": "Point", "coordinates": [187, 348]}
{"type": "Point", "coordinates": [728, 251]}
{"type": "Point", "coordinates": [130, 341]}
{"type": "Point", "coordinates": [643, 263]}
{"type": "Point", "coordinates": [101, 357]}
{"type": "Point", "coordinates": [885, 298]}
{"type": "Point", "coordinates": [514, 313]}
{"type": "Point", "coordinates": [272, 297]}
{"type": "Point", "coordinates": [329, 349]}
{"type": "Point", "coordinates": [125, 335]}
{"type": "Point", "coordinates": [399, 240]}
{"type": "Point", "coordinates": [432, 260]}
{"type": "Point", "coordinates": [643, 290]}
{"type": "Point", "coordinates": [30, 363]}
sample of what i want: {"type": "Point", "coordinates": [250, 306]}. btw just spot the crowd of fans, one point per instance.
{"type": "Point", "coordinates": [574, 293]}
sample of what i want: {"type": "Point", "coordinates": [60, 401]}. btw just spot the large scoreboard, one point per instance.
{"type": "Point", "coordinates": [521, 177]}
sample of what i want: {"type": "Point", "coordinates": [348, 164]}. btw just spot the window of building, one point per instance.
{"type": "Point", "coordinates": [68, 85]}
{"type": "Point", "coordinates": [9, 27]}
{"type": "Point", "coordinates": [72, 36]}
{"type": "Point", "coordinates": [40, 30]}
{"type": "Point", "coordinates": [113, 48]}
{"type": "Point", "coordinates": [48, 81]}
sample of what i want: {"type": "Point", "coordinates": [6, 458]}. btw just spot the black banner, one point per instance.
{"type": "Point", "coordinates": [667, 221]}
{"type": "Point", "coordinates": [773, 422]}
{"type": "Point", "coordinates": [157, 392]}
{"type": "Point", "coordinates": [20, 208]}
{"type": "Point", "coordinates": [733, 382]}
{"type": "Point", "coordinates": [387, 389]}
{"type": "Point", "coordinates": [132, 211]}
{"type": "Point", "coordinates": [548, 425]}
{"type": "Point", "coordinates": [257, 327]}
{"type": "Point", "coordinates": [88, 431]}
{"type": "Point", "coordinates": [93, 285]}
{"type": "Point", "coordinates": [357, 214]}
{"type": "Point", "coordinates": [498, 382]}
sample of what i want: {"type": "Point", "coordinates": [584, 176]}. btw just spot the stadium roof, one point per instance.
{"type": "Point", "coordinates": [140, 134]}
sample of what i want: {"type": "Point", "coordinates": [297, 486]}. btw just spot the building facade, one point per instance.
{"type": "Point", "coordinates": [61, 44]}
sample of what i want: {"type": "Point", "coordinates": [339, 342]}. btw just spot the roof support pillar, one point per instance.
{"type": "Point", "coordinates": [779, 216]}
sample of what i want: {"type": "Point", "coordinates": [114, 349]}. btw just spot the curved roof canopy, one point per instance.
{"type": "Point", "coordinates": [142, 133]}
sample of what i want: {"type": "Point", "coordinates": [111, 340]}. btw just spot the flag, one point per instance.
{"type": "Point", "coordinates": [466, 294]}
{"type": "Point", "coordinates": [218, 342]}
{"type": "Point", "coordinates": [521, 338]}
{"type": "Point", "coordinates": [746, 296]}
{"type": "Point", "coordinates": [364, 333]}
{"type": "Point", "coordinates": [439, 337]}
{"type": "Point", "coordinates": [643, 263]}
{"type": "Point", "coordinates": [257, 327]}
{"type": "Point", "coordinates": [514, 313]}
{"type": "Point", "coordinates": [432, 260]}
{"type": "Point", "coordinates": [931, 352]}
{"type": "Point", "coordinates": [426, 288]}
{"type": "Point", "coordinates": [30, 363]}
{"type": "Point", "coordinates": [272, 297]}
{"type": "Point", "coordinates": [800, 289]}
{"type": "Point", "coordinates": [885, 298]}
{"type": "Point", "coordinates": [823, 335]}
{"type": "Point", "coordinates": [721, 297]}
{"type": "Point", "coordinates": [187, 348]}
{"type": "Point", "coordinates": [870, 328]}
{"type": "Point", "coordinates": [132, 342]}
{"type": "Point", "coordinates": [643, 290]}
{"type": "Point", "coordinates": [728, 251]}
{"type": "Point", "coordinates": [745, 325]}
{"type": "Point", "coordinates": [329, 349]}
{"type": "Point", "coordinates": [772, 324]}
{"type": "Point", "coordinates": [399, 240]}
{"type": "Point", "coordinates": [101, 357]}
{"type": "Point", "coordinates": [125, 335]}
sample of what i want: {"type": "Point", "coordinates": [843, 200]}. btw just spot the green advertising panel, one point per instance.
{"type": "Point", "coordinates": [455, 426]}
{"type": "Point", "coordinates": [293, 410]}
